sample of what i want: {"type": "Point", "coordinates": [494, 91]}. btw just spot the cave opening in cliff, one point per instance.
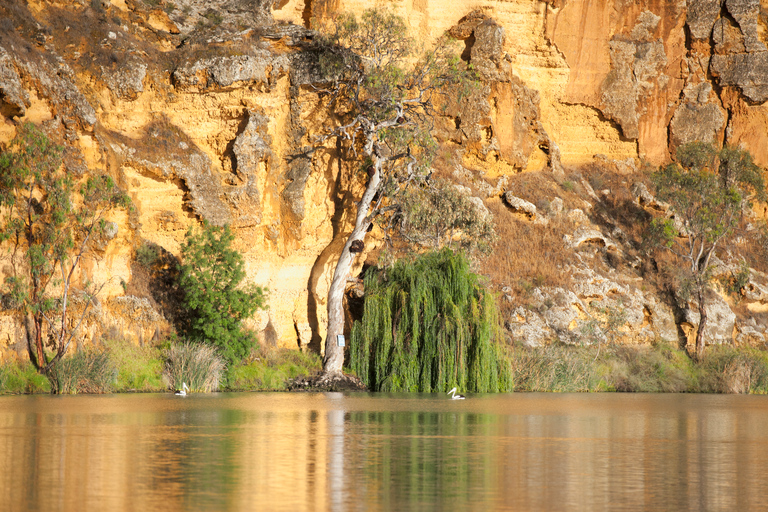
{"type": "Point", "coordinates": [469, 42]}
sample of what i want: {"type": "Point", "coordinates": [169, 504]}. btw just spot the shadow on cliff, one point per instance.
{"type": "Point", "coordinates": [324, 264]}
{"type": "Point", "coordinates": [155, 275]}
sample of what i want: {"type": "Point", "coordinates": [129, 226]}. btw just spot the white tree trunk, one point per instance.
{"type": "Point", "coordinates": [334, 354]}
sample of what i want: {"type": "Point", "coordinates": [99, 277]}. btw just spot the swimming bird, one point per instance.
{"type": "Point", "coordinates": [183, 390]}
{"type": "Point", "coordinates": [454, 396]}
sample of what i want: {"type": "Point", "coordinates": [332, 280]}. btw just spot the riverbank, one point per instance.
{"type": "Point", "coordinates": [121, 368]}
{"type": "Point", "coordinates": [645, 369]}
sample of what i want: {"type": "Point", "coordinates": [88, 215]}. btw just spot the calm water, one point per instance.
{"type": "Point", "coordinates": [293, 452]}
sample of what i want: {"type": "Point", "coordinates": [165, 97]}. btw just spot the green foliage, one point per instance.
{"type": "Point", "coordinates": [272, 370]}
{"type": "Point", "coordinates": [438, 215]}
{"type": "Point", "coordinates": [738, 169]}
{"type": "Point", "coordinates": [138, 368]}
{"type": "Point", "coordinates": [707, 190]}
{"type": "Point", "coordinates": [707, 200]}
{"type": "Point", "coordinates": [385, 97]}
{"type": "Point", "coordinates": [428, 325]}
{"type": "Point", "coordinates": [705, 207]}
{"type": "Point", "coordinates": [148, 254]}
{"type": "Point", "coordinates": [210, 276]}
{"type": "Point", "coordinates": [18, 377]}
{"type": "Point", "coordinates": [696, 156]}
{"type": "Point", "coordinates": [50, 222]}
{"type": "Point", "coordinates": [197, 365]}
{"type": "Point", "coordinates": [87, 371]}
{"type": "Point", "coordinates": [736, 281]}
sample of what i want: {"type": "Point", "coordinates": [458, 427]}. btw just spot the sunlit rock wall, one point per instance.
{"type": "Point", "coordinates": [203, 111]}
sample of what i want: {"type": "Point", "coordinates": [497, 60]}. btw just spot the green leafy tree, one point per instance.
{"type": "Point", "coordinates": [436, 215]}
{"type": "Point", "coordinates": [707, 191]}
{"type": "Point", "coordinates": [216, 303]}
{"type": "Point", "coordinates": [429, 325]}
{"type": "Point", "coordinates": [382, 101]}
{"type": "Point", "coordinates": [48, 223]}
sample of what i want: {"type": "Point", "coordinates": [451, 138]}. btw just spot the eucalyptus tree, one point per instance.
{"type": "Point", "coordinates": [707, 190]}
{"type": "Point", "coordinates": [50, 222]}
{"type": "Point", "coordinates": [383, 99]}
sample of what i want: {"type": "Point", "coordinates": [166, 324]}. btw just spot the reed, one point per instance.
{"type": "Point", "coordinates": [557, 368]}
{"type": "Point", "coordinates": [197, 365]}
{"type": "Point", "coordinates": [645, 369]}
{"type": "Point", "coordinates": [727, 369]}
{"type": "Point", "coordinates": [429, 325]}
{"type": "Point", "coordinates": [86, 371]}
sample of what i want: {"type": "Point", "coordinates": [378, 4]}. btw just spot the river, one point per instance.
{"type": "Point", "coordinates": [349, 452]}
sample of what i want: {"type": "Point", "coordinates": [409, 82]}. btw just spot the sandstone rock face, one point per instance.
{"type": "Point", "coordinates": [524, 208]}
{"type": "Point", "coordinates": [15, 98]}
{"type": "Point", "coordinates": [696, 119]}
{"type": "Point", "coordinates": [206, 111]}
{"type": "Point", "coordinates": [720, 322]}
{"type": "Point", "coordinates": [638, 66]}
{"type": "Point", "coordinates": [221, 72]}
{"type": "Point", "coordinates": [596, 310]}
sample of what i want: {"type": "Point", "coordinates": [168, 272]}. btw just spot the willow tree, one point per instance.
{"type": "Point", "coordinates": [429, 325]}
{"type": "Point", "coordinates": [707, 190]}
{"type": "Point", "coordinates": [49, 222]}
{"type": "Point", "coordinates": [383, 102]}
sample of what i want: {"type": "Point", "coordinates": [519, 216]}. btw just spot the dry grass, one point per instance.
{"type": "Point", "coordinates": [618, 208]}
{"type": "Point", "coordinates": [526, 255]}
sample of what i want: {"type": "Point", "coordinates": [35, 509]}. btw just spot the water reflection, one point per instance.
{"type": "Point", "coordinates": [380, 452]}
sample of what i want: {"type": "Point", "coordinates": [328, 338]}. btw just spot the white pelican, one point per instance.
{"type": "Point", "coordinates": [454, 396]}
{"type": "Point", "coordinates": [183, 390]}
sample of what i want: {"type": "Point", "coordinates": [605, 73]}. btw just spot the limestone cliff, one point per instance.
{"type": "Point", "coordinates": [203, 109]}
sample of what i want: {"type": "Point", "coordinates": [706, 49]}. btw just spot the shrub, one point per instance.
{"type": "Point", "coordinates": [197, 365]}
{"type": "Point", "coordinates": [429, 325]}
{"type": "Point", "coordinates": [87, 371]}
{"type": "Point", "coordinates": [148, 254]}
{"type": "Point", "coordinates": [726, 369]}
{"type": "Point", "coordinates": [650, 370]}
{"type": "Point", "coordinates": [216, 303]}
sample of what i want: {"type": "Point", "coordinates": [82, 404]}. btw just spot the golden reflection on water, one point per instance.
{"type": "Point", "coordinates": [280, 451]}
